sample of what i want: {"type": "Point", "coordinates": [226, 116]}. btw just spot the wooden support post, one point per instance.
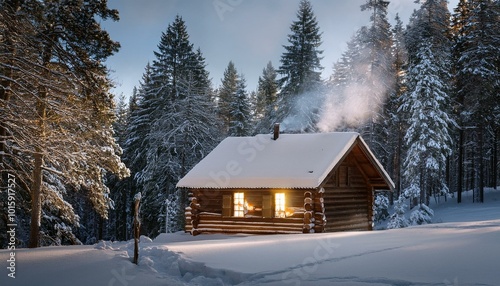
{"type": "Point", "coordinates": [137, 226]}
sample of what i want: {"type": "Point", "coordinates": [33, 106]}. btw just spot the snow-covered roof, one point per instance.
{"type": "Point", "coordinates": [291, 161]}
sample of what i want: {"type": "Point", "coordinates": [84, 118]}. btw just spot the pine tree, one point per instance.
{"type": "Point", "coordinates": [363, 77]}
{"type": "Point", "coordinates": [180, 138]}
{"type": "Point", "coordinates": [240, 111]}
{"type": "Point", "coordinates": [394, 122]}
{"type": "Point", "coordinates": [427, 137]}
{"type": "Point", "coordinates": [347, 103]}
{"type": "Point", "coordinates": [140, 122]}
{"type": "Point", "coordinates": [68, 143]}
{"type": "Point", "coordinates": [459, 23]}
{"type": "Point", "coordinates": [378, 80]}
{"type": "Point", "coordinates": [477, 72]}
{"type": "Point", "coordinates": [267, 91]}
{"type": "Point", "coordinates": [301, 71]}
{"type": "Point", "coordinates": [425, 106]}
{"type": "Point", "coordinates": [227, 93]}
{"type": "Point", "coordinates": [175, 125]}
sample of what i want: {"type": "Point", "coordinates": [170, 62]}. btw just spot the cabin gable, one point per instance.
{"type": "Point", "coordinates": [348, 198]}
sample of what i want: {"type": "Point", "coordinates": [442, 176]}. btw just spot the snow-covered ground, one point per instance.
{"type": "Point", "coordinates": [461, 248]}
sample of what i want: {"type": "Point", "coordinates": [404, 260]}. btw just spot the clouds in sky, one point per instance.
{"type": "Point", "coordinates": [248, 32]}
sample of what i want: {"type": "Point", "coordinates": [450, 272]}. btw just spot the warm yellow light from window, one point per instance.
{"type": "Point", "coordinates": [239, 204]}
{"type": "Point", "coordinates": [279, 205]}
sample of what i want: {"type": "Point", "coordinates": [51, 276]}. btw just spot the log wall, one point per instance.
{"type": "Point", "coordinates": [348, 199]}
{"type": "Point", "coordinates": [213, 223]}
{"type": "Point", "coordinates": [205, 213]}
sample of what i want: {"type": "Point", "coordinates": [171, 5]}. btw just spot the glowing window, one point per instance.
{"type": "Point", "coordinates": [279, 205]}
{"type": "Point", "coordinates": [239, 204]}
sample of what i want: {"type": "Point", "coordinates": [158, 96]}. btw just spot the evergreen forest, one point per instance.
{"type": "Point", "coordinates": [424, 95]}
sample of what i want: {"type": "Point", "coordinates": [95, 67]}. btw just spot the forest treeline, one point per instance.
{"type": "Point", "coordinates": [425, 97]}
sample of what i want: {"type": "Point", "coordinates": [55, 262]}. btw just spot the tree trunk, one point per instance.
{"type": "Point", "coordinates": [100, 227]}
{"type": "Point", "coordinates": [495, 157]}
{"type": "Point", "coordinates": [36, 203]}
{"type": "Point", "coordinates": [137, 228]}
{"type": "Point", "coordinates": [481, 163]}
{"type": "Point", "coordinates": [460, 165]}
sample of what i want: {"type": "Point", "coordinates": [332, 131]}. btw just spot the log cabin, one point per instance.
{"type": "Point", "coordinates": [285, 183]}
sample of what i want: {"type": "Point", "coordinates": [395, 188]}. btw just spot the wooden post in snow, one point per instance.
{"type": "Point", "coordinates": [137, 226]}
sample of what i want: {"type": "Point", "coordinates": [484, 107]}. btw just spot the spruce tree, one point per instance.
{"type": "Point", "coordinates": [425, 107]}
{"type": "Point", "coordinates": [240, 111]}
{"type": "Point", "coordinates": [267, 91]}
{"type": "Point", "coordinates": [301, 71]}
{"type": "Point", "coordinates": [179, 139]}
{"type": "Point", "coordinates": [181, 127]}
{"type": "Point", "coordinates": [227, 93]}
{"type": "Point", "coordinates": [459, 24]}
{"type": "Point", "coordinates": [477, 72]}
{"type": "Point", "coordinates": [393, 121]}
{"type": "Point", "coordinates": [378, 80]}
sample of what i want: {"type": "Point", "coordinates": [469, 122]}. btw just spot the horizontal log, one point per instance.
{"type": "Point", "coordinates": [247, 231]}
{"type": "Point", "coordinates": [319, 229]}
{"type": "Point", "coordinates": [350, 193]}
{"type": "Point", "coordinates": [350, 200]}
{"type": "Point", "coordinates": [345, 212]}
{"type": "Point", "coordinates": [360, 227]}
{"type": "Point", "coordinates": [347, 222]}
{"type": "Point", "coordinates": [348, 205]}
{"type": "Point", "coordinates": [346, 195]}
{"type": "Point", "coordinates": [250, 219]}
{"type": "Point", "coordinates": [250, 226]}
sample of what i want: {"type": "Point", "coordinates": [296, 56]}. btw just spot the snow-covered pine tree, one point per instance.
{"type": "Point", "coordinates": [239, 106]}
{"type": "Point", "coordinates": [227, 93]}
{"type": "Point", "coordinates": [427, 138]}
{"type": "Point", "coordinates": [301, 72]}
{"type": "Point", "coordinates": [393, 121]}
{"type": "Point", "coordinates": [398, 218]}
{"type": "Point", "coordinates": [476, 53]}
{"type": "Point", "coordinates": [59, 115]}
{"type": "Point", "coordinates": [265, 107]}
{"type": "Point", "coordinates": [141, 106]}
{"type": "Point", "coordinates": [459, 23]}
{"type": "Point", "coordinates": [378, 80]}
{"type": "Point", "coordinates": [174, 58]}
{"type": "Point", "coordinates": [425, 106]}
{"type": "Point", "coordinates": [381, 206]}
{"type": "Point", "coordinates": [183, 126]}
{"type": "Point", "coordinates": [179, 139]}
{"type": "Point", "coordinates": [120, 127]}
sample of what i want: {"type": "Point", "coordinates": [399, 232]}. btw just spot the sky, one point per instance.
{"type": "Point", "coordinates": [248, 32]}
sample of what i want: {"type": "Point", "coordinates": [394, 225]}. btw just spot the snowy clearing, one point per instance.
{"type": "Point", "coordinates": [461, 248]}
